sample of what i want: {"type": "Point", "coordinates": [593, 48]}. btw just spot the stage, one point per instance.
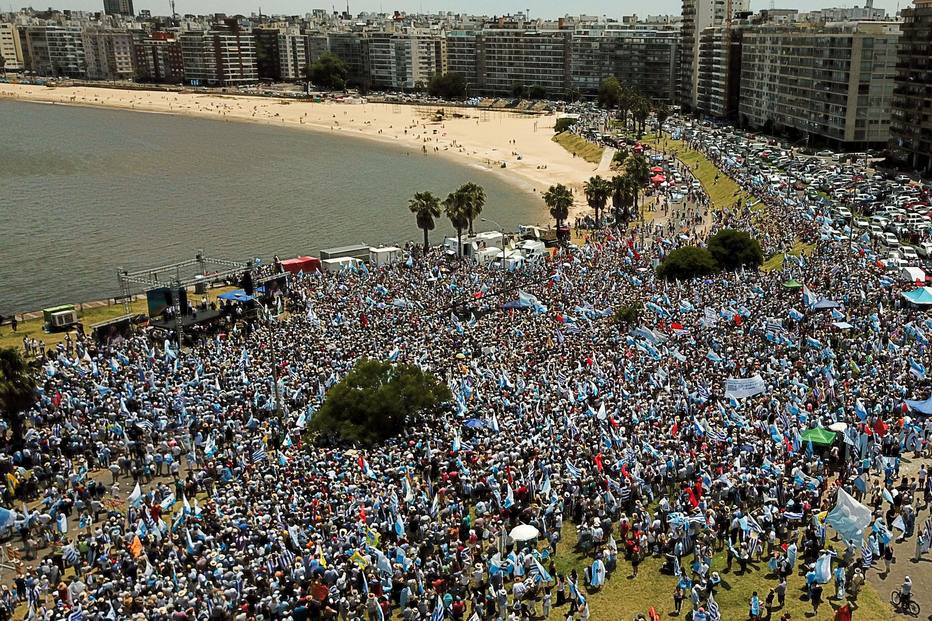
{"type": "Point", "coordinates": [204, 317]}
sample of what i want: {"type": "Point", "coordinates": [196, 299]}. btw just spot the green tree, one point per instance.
{"type": "Point", "coordinates": [2, 62]}
{"type": "Point", "coordinates": [378, 400]}
{"type": "Point", "coordinates": [621, 154]}
{"type": "Point", "coordinates": [639, 169]}
{"type": "Point", "coordinates": [572, 95]}
{"type": "Point", "coordinates": [640, 110]}
{"type": "Point", "coordinates": [662, 113]}
{"type": "Point", "coordinates": [519, 90]}
{"type": "Point", "coordinates": [627, 314]}
{"type": "Point", "coordinates": [609, 93]}
{"type": "Point", "coordinates": [537, 92]}
{"type": "Point", "coordinates": [624, 194]}
{"type": "Point", "coordinates": [563, 123]}
{"type": "Point", "coordinates": [454, 206]}
{"type": "Point", "coordinates": [473, 201]}
{"type": "Point", "coordinates": [17, 392]}
{"type": "Point", "coordinates": [559, 199]}
{"type": "Point", "coordinates": [329, 72]}
{"type": "Point", "coordinates": [425, 207]}
{"type": "Point", "coordinates": [687, 262]}
{"type": "Point", "coordinates": [598, 191]}
{"type": "Point", "coordinates": [447, 86]}
{"type": "Point", "coordinates": [733, 249]}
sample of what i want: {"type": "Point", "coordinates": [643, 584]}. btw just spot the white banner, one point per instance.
{"type": "Point", "coordinates": [741, 387]}
{"type": "Point", "coordinates": [709, 318]}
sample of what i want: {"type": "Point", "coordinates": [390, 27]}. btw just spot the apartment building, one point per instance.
{"type": "Point", "coordinates": [281, 54]}
{"type": "Point", "coordinates": [225, 56]}
{"type": "Point", "coordinates": [646, 60]}
{"type": "Point", "coordinates": [108, 54]}
{"type": "Point", "coordinates": [405, 60]}
{"type": "Point", "coordinates": [719, 72]}
{"type": "Point", "coordinates": [696, 17]}
{"type": "Point", "coordinates": [911, 129]}
{"type": "Point", "coordinates": [463, 55]}
{"type": "Point", "coordinates": [119, 7]}
{"type": "Point", "coordinates": [10, 48]}
{"type": "Point", "coordinates": [512, 57]}
{"type": "Point", "coordinates": [831, 85]}
{"type": "Point", "coordinates": [353, 48]}
{"type": "Point", "coordinates": [158, 58]}
{"type": "Point", "coordinates": [54, 51]}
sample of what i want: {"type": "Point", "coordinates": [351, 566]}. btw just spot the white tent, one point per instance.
{"type": "Point", "coordinates": [912, 274]}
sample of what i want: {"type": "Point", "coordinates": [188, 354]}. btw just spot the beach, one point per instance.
{"type": "Point", "coordinates": [488, 139]}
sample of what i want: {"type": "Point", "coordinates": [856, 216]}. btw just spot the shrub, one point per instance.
{"type": "Point", "coordinates": [378, 400]}
{"type": "Point", "coordinates": [563, 124]}
{"type": "Point", "coordinates": [688, 262]}
{"type": "Point", "coordinates": [447, 86]}
{"type": "Point", "coordinates": [732, 249]}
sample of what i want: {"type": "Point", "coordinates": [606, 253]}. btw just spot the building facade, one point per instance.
{"type": "Point", "coordinates": [405, 61]}
{"type": "Point", "coordinates": [11, 49]}
{"type": "Point", "coordinates": [697, 16]}
{"type": "Point", "coordinates": [518, 58]}
{"type": "Point", "coordinates": [55, 51]}
{"type": "Point", "coordinates": [831, 85]}
{"type": "Point", "coordinates": [119, 7]}
{"type": "Point", "coordinates": [158, 58]}
{"type": "Point", "coordinates": [281, 54]}
{"type": "Point", "coordinates": [108, 54]}
{"type": "Point", "coordinates": [911, 129]}
{"type": "Point", "coordinates": [221, 57]}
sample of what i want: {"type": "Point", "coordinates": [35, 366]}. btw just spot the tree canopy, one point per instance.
{"type": "Point", "coordinates": [609, 93]}
{"type": "Point", "coordinates": [687, 262]}
{"type": "Point", "coordinates": [17, 391]}
{"type": "Point", "coordinates": [329, 71]}
{"type": "Point", "coordinates": [378, 400]}
{"type": "Point", "coordinates": [733, 249]}
{"type": "Point", "coordinates": [447, 86]}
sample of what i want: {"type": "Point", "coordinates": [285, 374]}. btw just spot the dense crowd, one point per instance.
{"type": "Point", "coordinates": [169, 487]}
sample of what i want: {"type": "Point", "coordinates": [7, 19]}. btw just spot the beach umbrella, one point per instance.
{"type": "Point", "coordinates": [658, 179]}
{"type": "Point", "coordinates": [524, 532]}
{"type": "Point", "coordinates": [656, 169]}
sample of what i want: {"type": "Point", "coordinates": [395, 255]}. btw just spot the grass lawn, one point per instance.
{"type": "Point", "coordinates": [89, 316]}
{"type": "Point", "coordinates": [775, 262]}
{"type": "Point", "coordinates": [623, 597]}
{"type": "Point", "coordinates": [579, 146]}
{"type": "Point", "coordinates": [723, 192]}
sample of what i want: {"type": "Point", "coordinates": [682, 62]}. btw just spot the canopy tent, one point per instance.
{"type": "Point", "coordinates": [820, 436]}
{"type": "Point", "coordinates": [524, 532]}
{"type": "Point", "coordinates": [301, 264]}
{"type": "Point", "coordinates": [657, 179]}
{"type": "Point", "coordinates": [842, 325]}
{"type": "Point", "coordinates": [793, 284]}
{"type": "Point", "coordinates": [238, 295]}
{"type": "Point", "coordinates": [921, 296]}
{"type": "Point", "coordinates": [923, 407]}
{"type": "Point", "coordinates": [913, 274]}
{"type": "Point", "coordinates": [656, 169]}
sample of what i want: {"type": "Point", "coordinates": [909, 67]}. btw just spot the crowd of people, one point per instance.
{"type": "Point", "coordinates": [170, 484]}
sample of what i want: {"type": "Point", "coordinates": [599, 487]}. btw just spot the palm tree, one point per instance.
{"type": "Point", "coordinates": [597, 190]}
{"type": "Point", "coordinates": [475, 201]}
{"type": "Point", "coordinates": [638, 168]}
{"type": "Point", "coordinates": [663, 113]}
{"type": "Point", "coordinates": [425, 206]}
{"type": "Point", "coordinates": [559, 199]}
{"type": "Point", "coordinates": [640, 111]}
{"type": "Point", "coordinates": [454, 206]}
{"type": "Point", "coordinates": [17, 392]}
{"type": "Point", "coordinates": [623, 186]}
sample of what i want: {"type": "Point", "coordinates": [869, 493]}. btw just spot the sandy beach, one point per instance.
{"type": "Point", "coordinates": [485, 139]}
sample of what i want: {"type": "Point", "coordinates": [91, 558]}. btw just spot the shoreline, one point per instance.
{"type": "Point", "coordinates": [477, 138]}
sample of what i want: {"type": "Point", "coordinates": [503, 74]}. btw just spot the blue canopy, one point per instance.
{"type": "Point", "coordinates": [238, 295]}
{"type": "Point", "coordinates": [923, 407]}
{"type": "Point", "coordinates": [825, 303]}
{"type": "Point", "coordinates": [475, 423]}
{"type": "Point", "coordinates": [921, 296]}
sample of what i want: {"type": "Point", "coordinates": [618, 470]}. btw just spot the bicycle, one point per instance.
{"type": "Point", "coordinates": [910, 607]}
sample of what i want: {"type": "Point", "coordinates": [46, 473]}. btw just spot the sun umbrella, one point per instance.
{"type": "Point", "coordinates": [656, 169]}
{"type": "Point", "coordinates": [524, 532]}
{"type": "Point", "coordinates": [658, 179]}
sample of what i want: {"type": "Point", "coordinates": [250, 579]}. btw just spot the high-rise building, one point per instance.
{"type": "Point", "coordinates": [108, 54]}
{"type": "Point", "coordinates": [513, 58]}
{"type": "Point", "coordinates": [10, 47]}
{"type": "Point", "coordinates": [55, 51]}
{"type": "Point", "coordinates": [281, 54]}
{"type": "Point", "coordinates": [353, 49]}
{"type": "Point", "coordinates": [224, 56]}
{"type": "Point", "coordinates": [645, 60]}
{"type": "Point", "coordinates": [158, 58]}
{"type": "Point", "coordinates": [911, 129]}
{"type": "Point", "coordinates": [719, 72]}
{"type": "Point", "coordinates": [831, 85]}
{"type": "Point", "coordinates": [463, 56]}
{"type": "Point", "coordinates": [405, 60]}
{"type": "Point", "coordinates": [119, 7]}
{"type": "Point", "coordinates": [697, 16]}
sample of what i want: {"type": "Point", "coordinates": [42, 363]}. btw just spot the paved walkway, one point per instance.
{"type": "Point", "coordinates": [605, 166]}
